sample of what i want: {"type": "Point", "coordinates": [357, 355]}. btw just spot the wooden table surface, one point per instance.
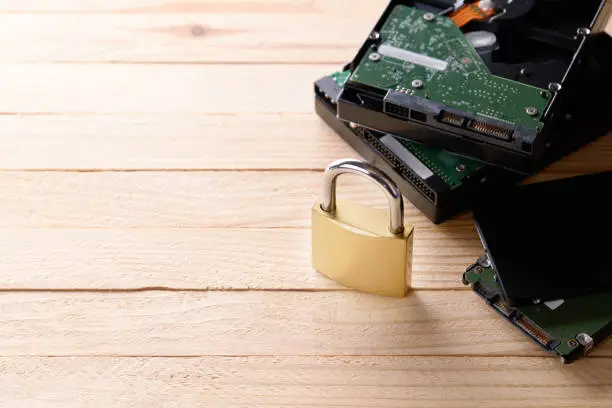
{"type": "Point", "coordinates": [159, 160]}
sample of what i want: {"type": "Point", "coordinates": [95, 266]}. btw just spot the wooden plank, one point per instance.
{"type": "Point", "coordinates": [391, 382]}
{"type": "Point", "coordinates": [149, 200]}
{"type": "Point", "coordinates": [161, 142]}
{"type": "Point", "coordinates": [215, 199]}
{"type": "Point", "coordinates": [326, 37]}
{"type": "Point", "coordinates": [160, 89]}
{"type": "Point", "coordinates": [594, 157]}
{"type": "Point", "coordinates": [202, 259]}
{"type": "Point", "coordinates": [257, 323]}
{"type": "Point", "coordinates": [199, 142]}
{"type": "Point", "coordinates": [199, 6]}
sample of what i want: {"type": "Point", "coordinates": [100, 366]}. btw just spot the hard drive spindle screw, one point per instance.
{"type": "Point", "coordinates": [531, 111]}
{"type": "Point", "coordinates": [583, 31]}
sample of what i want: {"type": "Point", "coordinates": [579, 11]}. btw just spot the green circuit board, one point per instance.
{"type": "Point", "coordinates": [448, 70]}
{"type": "Point", "coordinates": [449, 167]}
{"type": "Point", "coordinates": [341, 77]}
{"type": "Point", "coordinates": [556, 326]}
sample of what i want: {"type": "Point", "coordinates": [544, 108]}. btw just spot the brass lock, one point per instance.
{"type": "Point", "coordinates": [359, 247]}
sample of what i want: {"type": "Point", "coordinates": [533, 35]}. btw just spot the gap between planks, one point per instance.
{"type": "Point", "coordinates": [203, 290]}
{"type": "Point", "coordinates": [305, 356]}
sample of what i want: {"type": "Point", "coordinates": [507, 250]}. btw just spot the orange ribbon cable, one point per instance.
{"type": "Point", "coordinates": [480, 10]}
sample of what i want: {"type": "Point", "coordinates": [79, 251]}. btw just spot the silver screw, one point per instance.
{"type": "Point", "coordinates": [429, 16]}
{"type": "Point", "coordinates": [536, 301]}
{"type": "Point", "coordinates": [554, 86]}
{"type": "Point", "coordinates": [484, 260]}
{"type": "Point", "coordinates": [417, 83]}
{"type": "Point", "coordinates": [374, 35]}
{"type": "Point", "coordinates": [585, 341]}
{"type": "Point", "coordinates": [374, 57]}
{"type": "Point", "coordinates": [531, 110]}
{"type": "Point", "coordinates": [353, 125]}
{"type": "Point", "coordinates": [461, 168]}
{"type": "Point", "coordinates": [583, 31]}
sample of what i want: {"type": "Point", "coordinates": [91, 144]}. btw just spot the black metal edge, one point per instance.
{"type": "Point", "coordinates": [526, 163]}
{"type": "Point", "coordinates": [429, 209]}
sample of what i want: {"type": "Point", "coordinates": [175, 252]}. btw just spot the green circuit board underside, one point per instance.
{"type": "Point", "coordinates": [439, 55]}
{"type": "Point", "coordinates": [555, 329]}
{"type": "Point", "coordinates": [449, 167]}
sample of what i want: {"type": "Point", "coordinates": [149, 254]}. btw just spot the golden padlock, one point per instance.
{"type": "Point", "coordinates": [359, 247]}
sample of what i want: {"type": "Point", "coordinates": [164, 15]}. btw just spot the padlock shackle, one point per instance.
{"type": "Point", "coordinates": [394, 196]}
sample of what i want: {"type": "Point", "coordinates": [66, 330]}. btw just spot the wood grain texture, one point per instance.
{"type": "Point", "coordinates": [161, 89]}
{"type": "Point", "coordinates": [158, 160]}
{"type": "Point", "coordinates": [168, 142]}
{"type": "Point", "coordinates": [206, 199]}
{"type": "Point", "coordinates": [199, 142]}
{"type": "Point", "coordinates": [426, 323]}
{"type": "Point", "coordinates": [301, 7]}
{"type": "Point", "coordinates": [206, 37]}
{"type": "Point", "coordinates": [209, 259]}
{"type": "Point", "coordinates": [389, 382]}
{"type": "Point", "coordinates": [149, 200]}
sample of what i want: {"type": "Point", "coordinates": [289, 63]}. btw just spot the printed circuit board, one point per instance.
{"type": "Point", "coordinates": [568, 328]}
{"type": "Point", "coordinates": [426, 56]}
{"type": "Point", "coordinates": [452, 169]}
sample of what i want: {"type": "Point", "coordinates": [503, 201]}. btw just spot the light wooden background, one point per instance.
{"type": "Point", "coordinates": [159, 159]}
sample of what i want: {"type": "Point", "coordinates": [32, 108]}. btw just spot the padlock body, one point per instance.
{"type": "Point", "coordinates": [355, 248]}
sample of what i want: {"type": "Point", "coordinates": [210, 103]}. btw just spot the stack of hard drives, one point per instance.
{"type": "Point", "coordinates": [459, 101]}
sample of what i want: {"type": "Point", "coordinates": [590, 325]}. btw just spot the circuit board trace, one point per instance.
{"type": "Point", "coordinates": [554, 325]}
{"type": "Point", "coordinates": [452, 169]}
{"type": "Point", "coordinates": [453, 73]}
